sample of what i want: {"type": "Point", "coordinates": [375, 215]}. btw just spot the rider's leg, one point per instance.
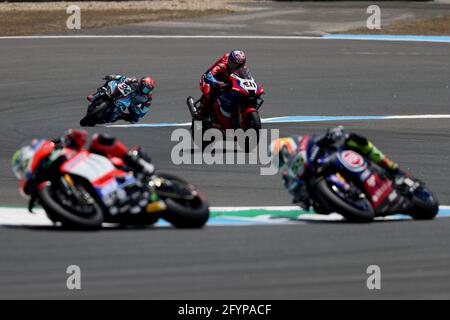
{"type": "Point", "coordinates": [130, 117]}
{"type": "Point", "coordinates": [206, 99]}
{"type": "Point", "coordinates": [135, 113]}
{"type": "Point", "coordinates": [369, 149]}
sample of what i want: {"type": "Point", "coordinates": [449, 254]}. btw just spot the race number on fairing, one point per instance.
{"type": "Point", "coordinates": [124, 89]}
{"type": "Point", "coordinates": [248, 85]}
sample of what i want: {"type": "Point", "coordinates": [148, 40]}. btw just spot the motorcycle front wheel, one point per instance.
{"type": "Point", "coordinates": [96, 115]}
{"type": "Point", "coordinates": [425, 204]}
{"type": "Point", "coordinates": [354, 211]}
{"type": "Point", "coordinates": [82, 212]}
{"type": "Point", "coordinates": [254, 123]}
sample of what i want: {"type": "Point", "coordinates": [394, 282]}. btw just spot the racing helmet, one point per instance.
{"type": "Point", "coordinates": [281, 150]}
{"type": "Point", "coordinates": [334, 136]}
{"type": "Point", "coordinates": [237, 60]}
{"type": "Point", "coordinates": [22, 159]}
{"type": "Point", "coordinates": [146, 85]}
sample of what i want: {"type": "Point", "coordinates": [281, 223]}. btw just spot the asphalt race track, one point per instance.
{"type": "Point", "coordinates": [42, 90]}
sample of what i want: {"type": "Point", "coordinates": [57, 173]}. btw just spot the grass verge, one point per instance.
{"type": "Point", "coordinates": [18, 19]}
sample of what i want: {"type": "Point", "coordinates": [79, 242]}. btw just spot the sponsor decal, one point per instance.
{"type": "Point", "coordinates": [352, 161]}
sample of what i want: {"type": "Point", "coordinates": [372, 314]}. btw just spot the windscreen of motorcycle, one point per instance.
{"type": "Point", "coordinates": [244, 73]}
{"type": "Point", "coordinates": [245, 81]}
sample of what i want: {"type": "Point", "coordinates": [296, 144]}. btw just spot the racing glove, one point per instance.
{"type": "Point", "coordinates": [220, 85]}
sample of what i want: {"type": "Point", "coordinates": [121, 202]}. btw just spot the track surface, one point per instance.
{"type": "Point", "coordinates": [42, 88]}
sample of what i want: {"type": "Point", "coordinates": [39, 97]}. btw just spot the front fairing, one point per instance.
{"type": "Point", "coordinates": [108, 182]}
{"type": "Point", "coordinates": [228, 101]}
{"type": "Point", "coordinates": [244, 93]}
{"type": "Point", "coordinates": [243, 82]}
{"type": "Point", "coordinates": [350, 168]}
{"type": "Point", "coordinates": [120, 93]}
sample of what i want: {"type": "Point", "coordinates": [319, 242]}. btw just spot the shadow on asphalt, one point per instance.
{"type": "Point", "coordinates": [117, 228]}
{"type": "Point", "coordinates": [350, 222]}
{"type": "Point", "coordinates": [57, 228]}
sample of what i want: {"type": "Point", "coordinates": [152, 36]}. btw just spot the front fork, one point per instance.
{"type": "Point", "coordinates": [236, 118]}
{"type": "Point", "coordinates": [34, 195]}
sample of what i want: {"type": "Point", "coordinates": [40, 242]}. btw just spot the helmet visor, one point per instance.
{"type": "Point", "coordinates": [147, 90]}
{"type": "Point", "coordinates": [235, 66]}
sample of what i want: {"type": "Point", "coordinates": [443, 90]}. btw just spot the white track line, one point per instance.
{"type": "Point", "coordinates": [399, 38]}
{"type": "Point", "coordinates": [296, 119]}
{"type": "Point", "coordinates": [10, 216]}
{"type": "Point", "coordinates": [224, 37]}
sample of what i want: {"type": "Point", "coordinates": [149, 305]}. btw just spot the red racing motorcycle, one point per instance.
{"type": "Point", "coordinates": [236, 107]}
{"type": "Point", "coordinates": [81, 189]}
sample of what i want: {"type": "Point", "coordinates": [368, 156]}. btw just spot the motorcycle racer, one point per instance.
{"type": "Point", "coordinates": [83, 185]}
{"type": "Point", "coordinates": [141, 92]}
{"type": "Point", "coordinates": [290, 159]}
{"type": "Point", "coordinates": [217, 77]}
{"type": "Point", "coordinates": [119, 154]}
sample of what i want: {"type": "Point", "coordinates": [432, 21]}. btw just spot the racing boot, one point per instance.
{"type": "Point", "coordinates": [389, 165]}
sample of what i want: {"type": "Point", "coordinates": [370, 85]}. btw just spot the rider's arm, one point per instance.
{"type": "Point", "coordinates": [117, 77]}
{"type": "Point", "coordinates": [211, 75]}
{"type": "Point", "coordinates": [211, 80]}
{"type": "Point", "coordinates": [138, 109]}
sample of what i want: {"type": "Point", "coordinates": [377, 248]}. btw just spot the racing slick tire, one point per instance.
{"type": "Point", "coordinates": [96, 116]}
{"type": "Point", "coordinates": [335, 203]}
{"type": "Point", "coordinates": [424, 209]}
{"type": "Point", "coordinates": [57, 212]}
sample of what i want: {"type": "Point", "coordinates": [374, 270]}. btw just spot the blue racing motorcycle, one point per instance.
{"type": "Point", "coordinates": [344, 181]}
{"type": "Point", "coordinates": [110, 103]}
